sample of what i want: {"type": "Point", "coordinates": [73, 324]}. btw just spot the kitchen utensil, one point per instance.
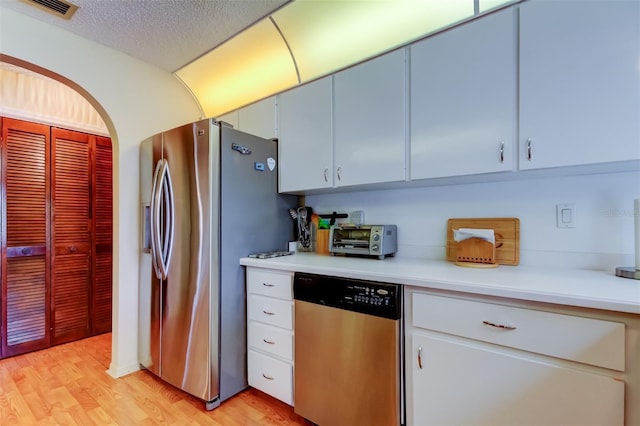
{"type": "Point", "coordinates": [293, 213]}
{"type": "Point", "coordinates": [304, 228]}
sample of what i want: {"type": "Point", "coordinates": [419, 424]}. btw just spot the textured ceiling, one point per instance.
{"type": "Point", "coordinates": [166, 33]}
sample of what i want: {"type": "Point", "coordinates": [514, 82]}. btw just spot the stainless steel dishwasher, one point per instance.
{"type": "Point", "coordinates": [348, 363]}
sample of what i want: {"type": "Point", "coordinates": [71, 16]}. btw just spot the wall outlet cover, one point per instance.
{"type": "Point", "coordinates": [356, 217]}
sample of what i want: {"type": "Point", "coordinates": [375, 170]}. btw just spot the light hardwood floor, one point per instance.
{"type": "Point", "coordinates": [68, 385]}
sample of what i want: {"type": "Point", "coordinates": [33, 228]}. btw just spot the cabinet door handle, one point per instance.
{"type": "Point", "coordinates": [529, 149]}
{"type": "Point", "coordinates": [268, 313]}
{"type": "Point", "coordinates": [268, 285]}
{"type": "Point", "coordinates": [420, 357]}
{"type": "Point", "coordinates": [269, 342]}
{"type": "Point", "coordinates": [339, 172]}
{"type": "Point", "coordinates": [503, 326]}
{"type": "Point", "coordinates": [326, 174]}
{"type": "Point", "coordinates": [502, 152]}
{"type": "Point", "coordinates": [267, 377]}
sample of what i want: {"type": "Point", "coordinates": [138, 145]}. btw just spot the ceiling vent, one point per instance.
{"type": "Point", "coordinates": [60, 8]}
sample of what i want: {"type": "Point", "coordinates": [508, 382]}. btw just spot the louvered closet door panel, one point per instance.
{"type": "Point", "coordinates": [25, 276]}
{"type": "Point", "coordinates": [103, 236]}
{"type": "Point", "coordinates": [72, 277]}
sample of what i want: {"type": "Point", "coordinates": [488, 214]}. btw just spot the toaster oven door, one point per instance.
{"type": "Point", "coordinates": [352, 240]}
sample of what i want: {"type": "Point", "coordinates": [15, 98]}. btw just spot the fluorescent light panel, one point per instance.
{"type": "Point", "coordinates": [323, 36]}
{"type": "Point", "coordinates": [328, 35]}
{"type": "Point", "coordinates": [253, 65]}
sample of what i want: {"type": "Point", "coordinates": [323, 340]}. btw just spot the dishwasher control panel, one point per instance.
{"type": "Point", "coordinates": [367, 297]}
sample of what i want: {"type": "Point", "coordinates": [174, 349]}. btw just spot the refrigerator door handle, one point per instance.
{"type": "Point", "coordinates": [168, 204]}
{"type": "Point", "coordinates": [154, 219]}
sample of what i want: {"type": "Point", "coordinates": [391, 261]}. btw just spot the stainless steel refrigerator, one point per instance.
{"type": "Point", "coordinates": [209, 196]}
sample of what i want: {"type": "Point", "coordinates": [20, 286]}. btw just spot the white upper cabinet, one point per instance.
{"type": "Point", "coordinates": [230, 118]}
{"type": "Point", "coordinates": [463, 99]}
{"type": "Point", "coordinates": [579, 82]}
{"type": "Point", "coordinates": [305, 143]}
{"type": "Point", "coordinates": [259, 118]}
{"type": "Point", "coordinates": [369, 121]}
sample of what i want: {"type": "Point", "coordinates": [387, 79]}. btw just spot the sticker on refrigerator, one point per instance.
{"type": "Point", "coordinates": [259, 166]}
{"type": "Point", "coordinates": [271, 163]}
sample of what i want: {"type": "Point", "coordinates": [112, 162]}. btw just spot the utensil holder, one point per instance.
{"type": "Point", "coordinates": [322, 241]}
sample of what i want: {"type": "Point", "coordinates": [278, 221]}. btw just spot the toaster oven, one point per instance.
{"type": "Point", "coordinates": [364, 240]}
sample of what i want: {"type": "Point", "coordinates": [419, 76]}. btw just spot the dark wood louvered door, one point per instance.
{"type": "Point", "coordinates": [71, 281]}
{"type": "Point", "coordinates": [103, 213]}
{"type": "Point", "coordinates": [56, 203]}
{"type": "Point", "coordinates": [25, 234]}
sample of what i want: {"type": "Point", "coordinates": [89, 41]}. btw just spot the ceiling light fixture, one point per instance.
{"type": "Point", "coordinates": [309, 39]}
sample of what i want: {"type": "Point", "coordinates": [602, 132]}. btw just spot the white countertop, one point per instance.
{"type": "Point", "coordinates": [589, 289]}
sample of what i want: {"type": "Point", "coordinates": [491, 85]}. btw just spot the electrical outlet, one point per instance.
{"type": "Point", "coordinates": [357, 217]}
{"type": "Point", "coordinates": [566, 215]}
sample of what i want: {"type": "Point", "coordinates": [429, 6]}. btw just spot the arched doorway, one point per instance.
{"type": "Point", "coordinates": [57, 174]}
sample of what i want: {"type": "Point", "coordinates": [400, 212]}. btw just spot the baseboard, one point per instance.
{"type": "Point", "coordinates": [119, 371]}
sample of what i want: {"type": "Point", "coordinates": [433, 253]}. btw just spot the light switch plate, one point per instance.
{"type": "Point", "coordinates": [566, 215]}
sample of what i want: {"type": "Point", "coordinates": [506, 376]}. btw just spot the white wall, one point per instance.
{"type": "Point", "coordinates": [602, 239]}
{"type": "Point", "coordinates": [136, 100]}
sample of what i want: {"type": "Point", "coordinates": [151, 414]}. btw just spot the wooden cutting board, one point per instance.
{"type": "Point", "coordinates": [506, 231]}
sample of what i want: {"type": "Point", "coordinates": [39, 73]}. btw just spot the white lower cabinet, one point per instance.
{"type": "Point", "coordinates": [270, 332]}
{"type": "Point", "coordinates": [476, 363]}
{"type": "Point", "coordinates": [271, 375]}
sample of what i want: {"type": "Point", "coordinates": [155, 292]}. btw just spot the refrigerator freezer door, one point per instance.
{"type": "Point", "coordinates": [254, 218]}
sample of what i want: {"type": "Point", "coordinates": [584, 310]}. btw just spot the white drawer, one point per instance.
{"type": "Point", "coordinates": [590, 341]}
{"type": "Point", "coordinates": [273, 340]}
{"type": "Point", "coordinates": [270, 283]}
{"type": "Point", "coordinates": [271, 376]}
{"type": "Point", "coordinates": [272, 311]}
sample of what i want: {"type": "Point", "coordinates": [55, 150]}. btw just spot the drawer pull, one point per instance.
{"type": "Point", "coordinates": [268, 285]}
{"type": "Point", "coordinates": [420, 357]}
{"type": "Point", "coordinates": [269, 342]}
{"type": "Point", "coordinates": [268, 313]}
{"type": "Point", "coordinates": [267, 377]}
{"type": "Point", "coordinates": [504, 327]}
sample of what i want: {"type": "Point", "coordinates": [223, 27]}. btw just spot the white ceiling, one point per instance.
{"type": "Point", "coordinates": [165, 33]}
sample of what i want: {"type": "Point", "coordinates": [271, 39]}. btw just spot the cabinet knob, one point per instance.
{"type": "Point", "coordinates": [502, 152]}
{"type": "Point", "coordinates": [326, 174]}
{"type": "Point", "coordinates": [339, 172]}
{"type": "Point", "coordinates": [268, 285]}
{"type": "Point", "coordinates": [529, 149]}
{"type": "Point", "coordinates": [267, 377]}
{"type": "Point", "coordinates": [269, 342]}
{"type": "Point", "coordinates": [268, 313]}
{"type": "Point", "coordinates": [420, 357]}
